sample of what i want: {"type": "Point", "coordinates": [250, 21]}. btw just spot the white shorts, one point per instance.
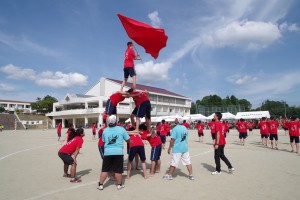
{"type": "Point", "coordinates": [184, 157]}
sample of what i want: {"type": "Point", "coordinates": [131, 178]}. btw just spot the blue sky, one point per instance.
{"type": "Point", "coordinates": [249, 48]}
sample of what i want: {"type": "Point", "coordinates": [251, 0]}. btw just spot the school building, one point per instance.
{"type": "Point", "coordinates": [86, 109]}
{"type": "Point", "coordinates": [11, 106]}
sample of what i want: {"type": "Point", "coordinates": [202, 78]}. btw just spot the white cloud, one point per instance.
{"type": "Point", "coordinates": [6, 88]}
{"type": "Point", "coordinates": [276, 84]}
{"type": "Point", "coordinates": [61, 80]}
{"type": "Point", "coordinates": [289, 27]}
{"type": "Point", "coordinates": [245, 80]}
{"type": "Point", "coordinates": [18, 73]}
{"type": "Point", "coordinates": [150, 72]}
{"type": "Point", "coordinates": [24, 44]}
{"type": "Point", "coordinates": [155, 19]}
{"type": "Point", "coordinates": [250, 34]}
{"type": "Point", "coordinates": [47, 78]}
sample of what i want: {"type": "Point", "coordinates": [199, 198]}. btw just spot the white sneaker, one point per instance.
{"type": "Point", "coordinates": [167, 177]}
{"type": "Point", "coordinates": [191, 177]}
{"type": "Point", "coordinates": [231, 169]}
{"type": "Point", "coordinates": [100, 187]}
{"type": "Point", "coordinates": [215, 173]}
{"type": "Point", "coordinates": [119, 187]}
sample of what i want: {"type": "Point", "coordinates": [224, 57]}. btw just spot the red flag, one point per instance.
{"type": "Point", "coordinates": [152, 39]}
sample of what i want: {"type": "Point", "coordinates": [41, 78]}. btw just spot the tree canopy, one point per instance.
{"type": "Point", "coordinates": [44, 105]}
{"type": "Point", "coordinates": [276, 108]}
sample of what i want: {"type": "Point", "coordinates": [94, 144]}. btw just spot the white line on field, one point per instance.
{"type": "Point", "coordinates": [17, 152]}
{"type": "Point", "coordinates": [61, 190]}
{"type": "Point", "coordinates": [90, 183]}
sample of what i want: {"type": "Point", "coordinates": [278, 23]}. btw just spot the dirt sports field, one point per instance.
{"type": "Point", "coordinates": [31, 169]}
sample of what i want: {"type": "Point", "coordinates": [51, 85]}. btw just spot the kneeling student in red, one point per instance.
{"type": "Point", "coordinates": [219, 145]}
{"type": "Point", "coordinates": [66, 152]}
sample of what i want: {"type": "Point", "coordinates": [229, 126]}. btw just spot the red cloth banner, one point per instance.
{"type": "Point", "coordinates": [152, 39]}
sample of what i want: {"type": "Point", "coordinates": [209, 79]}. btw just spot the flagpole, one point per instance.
{"type": "Point", "coordinates": [137, 53]}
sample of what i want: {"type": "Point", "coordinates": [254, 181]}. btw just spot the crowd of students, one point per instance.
{"type": "Point", "coordinates": [111, 137]}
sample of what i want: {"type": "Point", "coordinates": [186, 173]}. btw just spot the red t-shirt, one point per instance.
{"type": "Point", "coordinates": [200, 128]}
{"type": "Point", "coordinates": [250, 125]}
{"type": "Point", "coordinates": [154, 141]}
{"type": "Point", "coordinates": [264, 129]}
{"type": "Point", "coordinates": [242, 127]}
{"type": "Point", "coordinates": [163, 129]}
{"type": "Point", "coordinates": [116, 98]}
{"type": "Point", "coordinates": [59, 128]}
{"type": "Point", "coordinates": [294, 128]}
{"type": "Point", "coordinates": [187, 125]}
{"type": "Point", "coordinates": [138, 100]}
{"type": "Point", "coordinates": [100, 132]}
{"type": "Point", "coordinates": [94, 128]}
{"type": "Point", "coordinates": [158, 129]}
{"type": "Point", "coordinates": [212, 127]}
{"type": "Point", "coordinates": [273, 126]}
{"type": "Point", "coordinates": [168, 128]}
{"type": "Point", "coordinates": [286, 124]}
{"type": "Point", "coordinates": [129, 58]}
{"type": "Point", "coordinates": [72, 145]}
{"type": "Point", "coordinates": [136, 140]}
{"type": "Point", "coordinates": [227, 126]}
{"type": "Point", "coordinates": [104, 115]}
{"type": "Point", "coordinates": [220, 127]}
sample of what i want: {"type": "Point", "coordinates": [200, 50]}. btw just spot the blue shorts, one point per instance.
{"type": "Point", "coordinates": [143, 110]}
{"type": "Point", "coordinates": [155, 153]}
{"type": "Point", "coordinates": [264, 135]}
{"type": "Point", "coordinates": [200, 134]}
{"type": "Point", "coordinates": [294, 138]}
{"type": "Point", "coordinates": [273, 136]}
{"type": "Point", "coordinates": [129, 71]}
{"type": "Point", "coordinates": [110, 108]}
{"type": "Point", "coordinates": [213, 136]}
{"type": "Point", "coordinates": [140, 150]}
{"type": "Point", "coordinates": [66, 158]}
{"type": "Point", "coordinates": [243, 135]}
{"type": "Point", "coordinates": [101, 151]}
{"type": "Point", "coordinates": [163, 138]}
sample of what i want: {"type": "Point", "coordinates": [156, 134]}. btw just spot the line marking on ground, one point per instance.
{"type": "Point", "coordinates": [90, 183]}
{"type": "Point", "coordinates": [203, 153]}
{"type": "Point", "coordinates": [61, 190]}
{"type": "Point", "coordinates": [17, 152]}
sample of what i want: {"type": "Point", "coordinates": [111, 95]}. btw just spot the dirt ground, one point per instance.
{"type": "Point", "coordinates": [31, 169]}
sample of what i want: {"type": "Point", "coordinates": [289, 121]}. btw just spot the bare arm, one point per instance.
{"type": "Point", "coordinates": [171, 145]}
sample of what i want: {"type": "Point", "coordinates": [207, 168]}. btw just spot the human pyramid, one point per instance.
{"type": "Point", "coordinates": [112, 137]}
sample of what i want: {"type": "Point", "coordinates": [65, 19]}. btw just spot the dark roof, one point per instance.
{"type": "Point", "coordinates": [149, 88]}
{"type": "Point", "coordinates": [13, 101]}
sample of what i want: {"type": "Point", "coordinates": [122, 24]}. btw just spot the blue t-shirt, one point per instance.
{"type": "Point", "coordinates": [113, 140]}
{"type": "Point", "coordinates": [180, 135]}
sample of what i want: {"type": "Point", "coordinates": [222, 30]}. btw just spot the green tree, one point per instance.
{"type": "Point", "coordinates": [234, 100]}
{"type": "Point", "coordinates": [2, 109]}
{"type": "Point", "coordinates": [275, 108]}
{"type": "Point", "coordinates": [245, 103]}
{"type": "Point", "coordinates": [193, 108]}
{"type": "Point", "coordinates": [211, 100]}
{"type": "Point", "coordinates": [44, 105]}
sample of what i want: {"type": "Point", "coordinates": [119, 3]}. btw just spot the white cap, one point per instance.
{"type": "Point", "coordinates": [180, 120]}
{"type": "Point", "coordinates": [112, 119]}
